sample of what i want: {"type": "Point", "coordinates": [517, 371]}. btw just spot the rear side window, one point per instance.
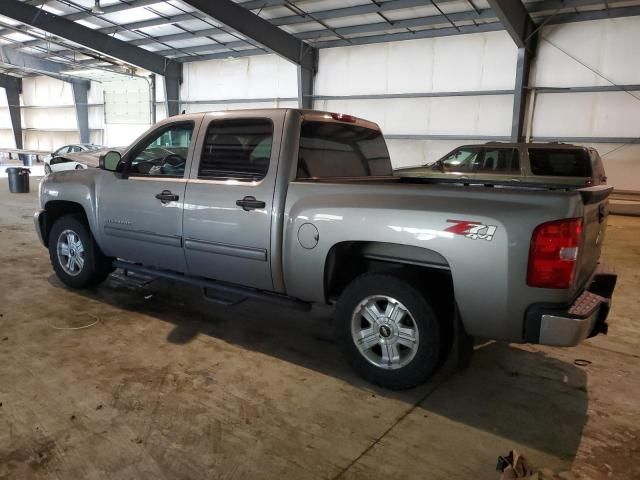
{"type": "Point", "coordinates": [559, 162]}
{"type": "Point", "coordinates": [341, 150]}
{"type": "Point", "coordinates": [499, 160]}
{"type": "Point", "coordinates": [237, 149]}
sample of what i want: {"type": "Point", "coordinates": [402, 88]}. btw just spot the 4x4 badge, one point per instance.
{"type": "Point", "coordinates": [472, 230]}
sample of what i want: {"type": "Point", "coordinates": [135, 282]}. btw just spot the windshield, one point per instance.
{"type": "Point", "coordinates": [330, 149]}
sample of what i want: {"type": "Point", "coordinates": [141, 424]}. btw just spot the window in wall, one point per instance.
{"type": "Point", "coordinates": [237, 149]}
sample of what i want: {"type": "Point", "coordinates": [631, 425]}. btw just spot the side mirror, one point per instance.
{"type": "Point", "coordinates": [110, 161]}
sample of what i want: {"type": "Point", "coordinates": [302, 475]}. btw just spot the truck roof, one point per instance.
{"type": "Point", "coordinates": [317, 115]}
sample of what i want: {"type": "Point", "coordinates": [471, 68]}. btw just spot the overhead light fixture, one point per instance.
{"type": "Point", "coordinates": [97, 9]}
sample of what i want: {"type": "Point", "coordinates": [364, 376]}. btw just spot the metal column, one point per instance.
{"type": "Point", "coordinates": [81, 101]}
{"type": "Point", "coordinates": [172, 81]}
{"type": "Point", "coordinates": [13, 100]}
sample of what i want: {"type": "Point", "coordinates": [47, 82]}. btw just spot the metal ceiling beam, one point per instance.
{"type": "Point", "coordinates": [520, 26]}
{"type": "Point", "coordinates": [262, 31]}
{"type": "Point", "coordinates": [52, 69]}
{"type": "Point", "coordinates": [275, 39]}
{"type": "Point", "coordinates": [9, 81]}
{"type": "Point", "coordinates": [13, 88]}
{"type": "Point", "coordinates": [68, 29]}
{"type": "Point", "coordinates": [515, 18]}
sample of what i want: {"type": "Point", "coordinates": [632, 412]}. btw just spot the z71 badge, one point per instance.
{"type": "Point", "coordinates": [472, 230]}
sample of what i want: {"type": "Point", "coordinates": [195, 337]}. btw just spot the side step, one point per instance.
{"type": "Point", "coordinates": [222, 290]}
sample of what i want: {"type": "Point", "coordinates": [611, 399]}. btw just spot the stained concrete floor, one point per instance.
{"type": "Point", "coordinates": [168, 386]}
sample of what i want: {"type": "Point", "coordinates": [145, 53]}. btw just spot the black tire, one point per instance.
{"type": "Point", "coordinates": [96, 266]}
{"type": "Point", "coordinates": [47, 168]}
{"type": "Point", "coordinates": [427, 356]}
{"type": "Point", "coordinates": [78, 167]}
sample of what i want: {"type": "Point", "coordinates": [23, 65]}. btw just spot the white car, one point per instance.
{"type": "Point", "coordinates": [62, 160]}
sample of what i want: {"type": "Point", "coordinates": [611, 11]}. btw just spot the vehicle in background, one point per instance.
{"type": "Point", "coordinates": [77, 161]}
{"type": "Point", "coordinates": [547, 164]}
{"type": "Point", "coordinates": [61, 159]}
{"type": "Point", "coordinates": [299, 207]}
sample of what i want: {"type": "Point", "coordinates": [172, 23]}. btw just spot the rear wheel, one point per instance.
{"type": "Point", "coordinates": [78, 167]}
{"type": "Point", "coordinates": [388, 331]}
{"type": "Point", "coordinates": [75, 256]}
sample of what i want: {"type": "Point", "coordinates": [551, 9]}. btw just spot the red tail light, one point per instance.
{"type": "Point", "coordinates": [553, 254]}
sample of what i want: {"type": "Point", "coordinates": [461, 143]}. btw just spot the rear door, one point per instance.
{"type": "Point", "coordinates": [229, 198]}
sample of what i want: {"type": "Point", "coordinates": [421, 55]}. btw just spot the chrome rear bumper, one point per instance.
{"type": "Point", "coordinates": [586, 317]}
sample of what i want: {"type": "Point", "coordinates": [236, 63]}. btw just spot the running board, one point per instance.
{"type": "Point", "coordinates": [215, 286]}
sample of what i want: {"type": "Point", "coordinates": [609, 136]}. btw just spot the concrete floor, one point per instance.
{"type": "Point", "coordinates": [168, 386]}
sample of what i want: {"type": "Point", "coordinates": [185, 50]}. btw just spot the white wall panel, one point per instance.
{"type": "Point", "coordinates": [48, 141]}
{"type": "Point", "coordinates": [51, 118]}
{"type": "Point", "coordinates": [214, 107]}
{"type": "Point", "coordinates": [611, 47]}
{"type": "Point", "coordinates": [621, 163]}
{"type": "Point", "coordinates": [479, 115]}
{"type": "Point", "coordinates": [122, 135]}
{"type": "Point", "coordinates": [45, 91]}
{"type": "Point", "coordinates": [7, 139]}
{"type": "Point", "coordinates": [263, 76]}
{"type": "Point", "coordinates": [602, 114]}
{"type": "Point", "coordinates": [484, 61]}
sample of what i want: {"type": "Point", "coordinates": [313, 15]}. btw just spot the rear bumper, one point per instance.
{"type": "Point", "coordinates": [567, 326]}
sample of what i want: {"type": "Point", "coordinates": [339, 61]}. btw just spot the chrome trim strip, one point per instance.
{"type": "Point", "coordinates": [143, 236]}
{"type": "Point", "coordinates": [158, 179]}
{"type": "Point", "coordinates": [226, 249]}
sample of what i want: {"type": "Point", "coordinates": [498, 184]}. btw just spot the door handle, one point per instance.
{"type": "Point", "coordinates": [166, 196]}
{"type": "Point", "coordinates": [250, 203]}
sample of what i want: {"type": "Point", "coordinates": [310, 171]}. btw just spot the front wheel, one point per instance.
{"type": "Point", "coordinates": [75, 256]}
{"type": "Point", "coordinates": [388, 331]}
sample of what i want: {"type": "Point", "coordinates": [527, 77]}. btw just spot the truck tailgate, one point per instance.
{"type": "Point", "coordinates": [596, 211]}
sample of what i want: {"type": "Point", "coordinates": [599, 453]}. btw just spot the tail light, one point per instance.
{"type": "Point", "coordinates": [554, 253]}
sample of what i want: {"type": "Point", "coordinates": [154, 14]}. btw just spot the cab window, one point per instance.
{"type": "Point", "coordinates": [238, 149]}
{"type": "Point", "coordinates": [164, 153]}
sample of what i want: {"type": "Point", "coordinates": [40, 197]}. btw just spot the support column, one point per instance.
{"type": "Point", "coordinates": [13, 100]}
{"type": "Point", "coordinates": [305, 88]}
{"type": "Point", "coordinates": [520, 95]}
{"type": "Point", "coordinates": [172, 81]}
{"type": "Point", "coordinates": [306, 76]}
{"type": "Point", "coordinates": [81, 100]}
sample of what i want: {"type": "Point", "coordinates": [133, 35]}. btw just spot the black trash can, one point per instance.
{"type": "Point", "coordinates": [18, 179]}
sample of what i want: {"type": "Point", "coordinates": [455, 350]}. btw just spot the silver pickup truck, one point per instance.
{"type": "Point", "coordinates": [301, 207]}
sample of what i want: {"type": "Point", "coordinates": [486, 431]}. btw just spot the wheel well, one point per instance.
{"type": "Point", "coordinates": [422, 267]}
{"type": "Point", "coordinates": [347, 260]}
{"type": "Point", "coordinates": [56, 209]}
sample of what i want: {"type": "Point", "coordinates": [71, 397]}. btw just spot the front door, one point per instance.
{"type": "Point", "coordinates": [141, 214]}
{"type": "Point", "coordinates": [229, 199]}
